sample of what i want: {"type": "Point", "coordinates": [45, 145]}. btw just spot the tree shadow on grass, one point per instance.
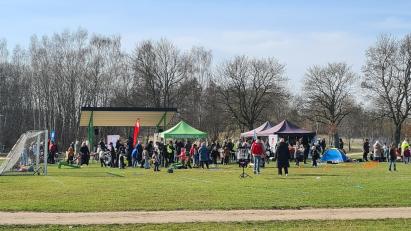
{"type": "Point", "coordinates": [290, 178]}
{"type": "Point", "coordinates": [84, 174]}
{"type": "Point", "coordinates": [315, 174]}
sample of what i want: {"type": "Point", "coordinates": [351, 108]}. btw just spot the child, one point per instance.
{"type": "Point", "coordinates": [188, 157]}
{"type": "Point", "coordinates": [101, 157]}
{"type": "Point", "coordinates": [183, 156]}
{"type": "Point", "coordinates": [298, 153]}
{"type": "Point", "coordinates": [146, 158]}
{"type": "Point", "coordinates": [194, 155]}
{"type": "Point", "coordinates": [70, 155]}
{"type": "Point", "coordinates": [121, 157]}
{"type": "Point", "coordinates": [156, 161]}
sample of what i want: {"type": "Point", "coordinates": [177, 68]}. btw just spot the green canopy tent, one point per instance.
{"type": "Point", "coordinates": [183, 131]}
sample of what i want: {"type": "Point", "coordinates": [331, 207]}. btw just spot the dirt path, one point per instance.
{"type": "Point", "coordinates": [8, 218]}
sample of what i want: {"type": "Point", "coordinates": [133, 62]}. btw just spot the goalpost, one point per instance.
{"type": "Point", "coordinates": [28, 155]}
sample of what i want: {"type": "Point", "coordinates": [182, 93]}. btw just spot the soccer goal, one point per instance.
{"type": "Point", "coordinates": [28, 156]}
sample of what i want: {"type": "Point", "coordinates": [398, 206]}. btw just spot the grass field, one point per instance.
{"type": "Point", "coordinates": [389, 224]}
{"type": "Point", "coordinates": [92, 188]}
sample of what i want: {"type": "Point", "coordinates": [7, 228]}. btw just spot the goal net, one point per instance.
{"type": "Point", "coordinates": [28, 155]}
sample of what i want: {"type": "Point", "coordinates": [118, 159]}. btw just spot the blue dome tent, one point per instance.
{"type": "Point", "coordinates": [334, 155]}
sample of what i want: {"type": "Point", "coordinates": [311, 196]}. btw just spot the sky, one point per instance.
{"type": "Point", "coordinates": [299, 34]}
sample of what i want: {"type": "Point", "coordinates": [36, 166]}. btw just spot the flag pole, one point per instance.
{"type": "Point", "coordinates": [90, 132]}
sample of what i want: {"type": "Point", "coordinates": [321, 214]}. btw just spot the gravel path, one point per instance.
{"type": "Point", "coordinates": [33, 218]}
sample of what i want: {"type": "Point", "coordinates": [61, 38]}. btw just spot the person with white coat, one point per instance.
{"type": "Point", "coordinates": [377, 151]}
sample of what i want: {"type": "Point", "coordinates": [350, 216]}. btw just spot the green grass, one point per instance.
{"type": "Point", "coordinates": [101, 189]}
{"type": "Point", "coordinates": [389, 224]}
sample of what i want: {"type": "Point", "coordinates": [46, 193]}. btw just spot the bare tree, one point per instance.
{"type": "Point", "coordinates": [15, 100]}
{"type": "Point", "coordinates": [387, 76]}
{"type": "Point", "coordinates": [69, 70]}
{"type": "Point", "coordinates": [249, 88]}
{"type": "Point", "coordinates": [327, 95]}
{"type": "Point", "coordinates": [58, 66]}
{"type": "Point", "coordinates": [161, 68]}
{"type": "Point", "coordinates": [200, 60]}
{"type": "Point", "coordinates": [46, 86]}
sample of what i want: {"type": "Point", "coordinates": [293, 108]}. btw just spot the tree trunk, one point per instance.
{"type": "Point", "coordinates": [336, 140]}
{"type": "Point", "coordinates": [250, 126]}
{"type": "Point", "coordinates": [397, 134]}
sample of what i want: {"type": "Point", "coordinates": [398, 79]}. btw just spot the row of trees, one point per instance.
{"type": "Point", "coordinates": [45, 86]}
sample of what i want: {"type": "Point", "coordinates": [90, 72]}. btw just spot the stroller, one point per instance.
{"type": "Point", "coordinates": [121, 161]}
{"type": "Point", "coordinates": [105, 158]}
{"type": "Point", "coordinates": [243, 157]}
{"type": "Point", "coordinates": [266, 157]}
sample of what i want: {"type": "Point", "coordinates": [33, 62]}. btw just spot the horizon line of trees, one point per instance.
{"type": "Point", "coordinates": [45, 86]}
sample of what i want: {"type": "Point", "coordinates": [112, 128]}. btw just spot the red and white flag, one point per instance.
{"type": "Point", "coordinates": [136, 131]}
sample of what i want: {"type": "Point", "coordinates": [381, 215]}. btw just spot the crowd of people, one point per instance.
{"type": "Point", "coordinates": [201, 155]}
{"type": "Point", "coordinates": [188, 154]}
{"type": "Point", "coordinates": [196, 154]}
{"type": "Point", "coordinates": [387, 153]}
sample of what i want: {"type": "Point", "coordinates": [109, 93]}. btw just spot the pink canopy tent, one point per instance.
{"type": "Point", "coordinates": [286, 128]}
{"type": "Point", "coordinates": [263, 127]}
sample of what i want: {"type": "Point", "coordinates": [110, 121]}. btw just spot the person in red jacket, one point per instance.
{"type": "Point", "coordinates": [52, 152]}
{"type": "Point", "coordinates": [257, 151]}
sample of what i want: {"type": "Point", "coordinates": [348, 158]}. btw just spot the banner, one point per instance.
{"type": "Point", "coordinates": [272, 140]}
{"type": "Point", "coordinates": [136, 131]}
{"type": "Point", "coordinates": [112, 139]}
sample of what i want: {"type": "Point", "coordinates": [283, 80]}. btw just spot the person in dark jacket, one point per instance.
{"type": "Point", "coordinates": [85, 154]}
{"type": "Point", "coordinates": [52, 152]}
{"type": "Point", "coordinates": [178, 146]}
{"type": "Point", "coordinates": [129, 149]}
{"type": "Point", "coordinates": [283, 157]}
{"type": "Point", "coordinates": [118, 144]}
{"type": "Point", "coordinates": [170, 153]}
{"type": "Point", "coordinates": [139, 148]}
{"type": "Point", "coordinates": [150, 148]}
{"type": "Point", "coordinates": [102, 145]}
{"type": "Point", "coordinates": [214, 154]}
{"type": "Point", "coordinates": [161, 152]}
{"type": "Point", "coordinates": [113, 154]}
{"type": "Point", "coordinates": [393, 157]}
{"type": "Point", "coordinates": [315, 154]}
{"type": "Point", "coordinates": [366, 149]}
{"type": "Point", "coordinates": [341, 144]}
{"type": "Point", "coordinates": [323, 145]}
{"type": "Point", "coordinates": [119, 152]}
{"type": "Point", "coordinates": [204, 158]}
{"type": "Point", "coordinates": [306, 152]}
